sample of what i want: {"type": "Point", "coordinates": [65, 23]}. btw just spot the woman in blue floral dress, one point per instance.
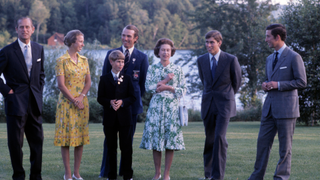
{"type": "Point", "coordinates": [162, 130]}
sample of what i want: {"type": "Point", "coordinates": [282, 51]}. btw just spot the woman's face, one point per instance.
{"type": "Point", "coordinates": [78, 45]}
{"type": "Point", "coordinates": [165, 52]}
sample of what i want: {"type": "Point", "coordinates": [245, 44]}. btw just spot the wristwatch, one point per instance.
{"type": "Point", "coordinates": [83, 95]}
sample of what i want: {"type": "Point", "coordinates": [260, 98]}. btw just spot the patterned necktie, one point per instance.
{"type": "Point", "coordinates": [27, 58]}
{"type": "Point", "coordinates": [275, 61]}
{"type": "Point", "coordinates": [213, 67]}
{"type": "Point", "coordinates": [126, 61]}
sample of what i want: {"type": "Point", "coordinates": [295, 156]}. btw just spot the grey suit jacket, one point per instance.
{"type": "Point", "coordinates": [291, 73]}
{"type": "Point", "coordinates": [220, 91]}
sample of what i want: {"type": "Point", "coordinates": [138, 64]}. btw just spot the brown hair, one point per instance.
{"type": "Point", "coordinates": [278, 29]}
{"type": "Point", "coordinates": [71, 37]}
{"type": "Point", "coordinates": [115, 55]}
{"type": "Point", "coordinates": [215, 34]}
{"type": "Point", "coordinates": [135, 29]}
{"type": "Point", "coordinates": [161, 42]}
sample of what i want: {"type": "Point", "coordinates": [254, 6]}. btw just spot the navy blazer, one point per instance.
{"type": "Point", "coordinates": [109, 90]}
{"type": "Point", "coordinates": [220, 91]}
{"type": "Point", "coordinates": [139, 64]}
{"type": "Point", "coordinates": [14, 69]}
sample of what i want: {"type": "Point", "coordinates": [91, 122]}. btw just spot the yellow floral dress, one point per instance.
{"type": "Point", "coordinates": [72, 124]}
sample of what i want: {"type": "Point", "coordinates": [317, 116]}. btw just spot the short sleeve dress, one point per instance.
{"type": "Point", "coordinates": [162, 128]}
{"type": "Point", "coordinates": [72, 128]}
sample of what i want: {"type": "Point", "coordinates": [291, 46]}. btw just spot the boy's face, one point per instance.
{"type": "Point", "coordinates": [117, 65]}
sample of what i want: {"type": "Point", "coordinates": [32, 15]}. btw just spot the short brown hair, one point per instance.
{"type": "Point", "coordinates": [161, 42]}
{"type": "Point", "coordinates": [278, 29]}
{"type": "Point", "coordinates": [135, 29]}
{"type": "Point", "coordinates": [25, 17]}
{"type": "Point", "coordinates": [71, 37]}
{"type": "Point", "coordinates": [215, 34]}
{"type": "Point", "coordinates": [115, 55]}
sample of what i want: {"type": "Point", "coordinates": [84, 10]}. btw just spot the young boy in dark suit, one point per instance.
{"type": "Point", "coordinates": [116, 94]}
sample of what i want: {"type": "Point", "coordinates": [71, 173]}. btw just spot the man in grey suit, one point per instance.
{"type": "Point", "coordinates": [285, 73]}
{"type": "Point", "coordinates": [220, 74]}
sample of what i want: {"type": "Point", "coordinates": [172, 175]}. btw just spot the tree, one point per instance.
{"type": "Point", "coordinates": [302, 23]}
{"type": "Point", "coordinates": [39, 13]}
{"type": "Point", "coordinates": [242, 24]}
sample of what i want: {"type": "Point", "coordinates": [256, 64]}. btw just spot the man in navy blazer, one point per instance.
{"type": "Point", "coordinates": [220, 74]}
{"type": "Point", "coordinates": [22, 66]}
{"type": "Point", "coordinates": [136, 66]}
{"type": "Point", "coordinates": [285, 74]}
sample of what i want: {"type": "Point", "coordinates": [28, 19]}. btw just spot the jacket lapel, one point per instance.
{"type": "Point", "coordinates": [34, 60]}
{"type": "Point", "coordinates": [207, 68]}
{"type": "Point", "coordinates": [131, 65]}
{"type": "Point", "coordinates": [20, 57]}
{"type": "Point", "coordinates": [220, 68]}
{"type": "Point", "coordinates": [111, 79]}
{"type": "Point", "coordinates": [280, 61]}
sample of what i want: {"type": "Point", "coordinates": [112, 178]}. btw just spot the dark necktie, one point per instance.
{"type": "Point", "coordinates": [126, 61]}
{"type": "Point", "coordinates": [115, 79]}
{"type": "Point", "coordinates": [213, 67]}
{"type": "Point", "coordinates": [275, 61]}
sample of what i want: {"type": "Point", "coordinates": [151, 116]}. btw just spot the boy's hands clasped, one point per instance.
{"type": "Point", "coordinates": [116, 104]}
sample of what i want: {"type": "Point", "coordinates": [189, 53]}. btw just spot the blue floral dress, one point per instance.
{"type": "Point", "coordinates": [162, 128]}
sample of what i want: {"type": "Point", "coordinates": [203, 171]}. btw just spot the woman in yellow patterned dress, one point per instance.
{"type": "Point", "coordinates": [72, 115]}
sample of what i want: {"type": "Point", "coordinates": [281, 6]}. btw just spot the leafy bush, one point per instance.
{"type": "Point", "coordinates": [194, 115]}
{"type": "Point", "coordinates": [49, 109]}
{"type": "Point", "coordinates": [95, 111]}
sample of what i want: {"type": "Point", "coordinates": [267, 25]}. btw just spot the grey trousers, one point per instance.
{"type": "Point", "coordinates": [269, 127]}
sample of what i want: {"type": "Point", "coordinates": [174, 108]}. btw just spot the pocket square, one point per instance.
{"type": "Point", "coordinates": [38, 60]}
{"type": "Point", "coordinates": [284, 67]}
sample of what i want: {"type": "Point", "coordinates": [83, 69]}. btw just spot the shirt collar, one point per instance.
{"type": "Point", "coordinates": [22, 45]}
{"type": "Point", "coordinates": [114, 74]}
{"type": "Point", "coordinates": [281, 50]}
{"type": "Point", "coordinates": [130, 50]}
{"type": "Point", "coordinates": [216, 56]}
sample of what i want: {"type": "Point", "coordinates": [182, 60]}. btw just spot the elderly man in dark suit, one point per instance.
{"type": "Point", "coordinates": [136, 66]}
{"type": "Point", "coordinates": [285, 73]}
{"type": "Point", "coordinates": [22, 66]}
{"type": "Point", "coordinates": [220, 74]}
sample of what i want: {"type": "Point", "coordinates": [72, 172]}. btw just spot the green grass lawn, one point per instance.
{"type": "Point", "coordinates": [187, 164]}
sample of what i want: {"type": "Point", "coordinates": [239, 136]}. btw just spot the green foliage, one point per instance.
{"type": "Point", "coordinates": [252, 113]}
{"type": "Point", "coordinates": [104, 20]}
{"type": "Point", "coordinates": [49, 109]}
{"type": "Point", "coordinates": [95, 110]}
{"type": "Point", "coordinates": [194, 115]}
{"type": "Point", "coordinates": [242, 24]}
{"type": "Point", "coordinates": [302, 23]}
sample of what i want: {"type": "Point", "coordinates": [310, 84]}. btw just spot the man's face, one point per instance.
{"type": "Point", "coordinates": [25, 29]}
{"type": "Point", "coordinates": [117, 65]}
{"type": "Point", "coordinates": [272, 42]}
{"type": "Point", "coordinates": [213, 46]}
{"type": "Point", "coordinates": [128, 38]}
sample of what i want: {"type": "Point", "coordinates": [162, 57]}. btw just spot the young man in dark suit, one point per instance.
{"type": "Point", "coordinates": [285, 74]}
{"type": "Point", "coordinates": [22, 66]}
{"type": "Point", "coordinates": [116, 94]}
{"type": "Point", "coordinates": [220, 74]}
{"type": "Point", "coordinates": [136, 66]}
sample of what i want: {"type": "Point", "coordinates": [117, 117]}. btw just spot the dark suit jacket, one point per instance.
{"type": "Point", "coordinates": [109, 90]}
{"type": "Point", "coordinates": [14, 69]}
{"type": "Point", "coordinates": [138, 62]}
{"type": "Point", "coordinates": [220, 91]}
{"type": "Point", "coordinates": [291, 74]}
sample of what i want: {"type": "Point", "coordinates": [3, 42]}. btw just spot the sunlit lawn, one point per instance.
{"type": "Point", "coordinates": [187, 164]}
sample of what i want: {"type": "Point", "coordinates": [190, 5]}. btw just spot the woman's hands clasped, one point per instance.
{"type": "Point", "coordinates": [78, 102]}
{"type": "Point", "coordinates": [162, 85]}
